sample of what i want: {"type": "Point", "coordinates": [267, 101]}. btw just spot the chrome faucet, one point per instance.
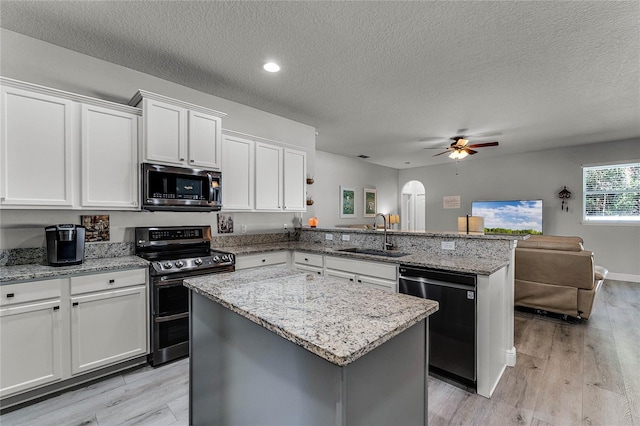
{"type": "Point", "coordinates": [386, 244]}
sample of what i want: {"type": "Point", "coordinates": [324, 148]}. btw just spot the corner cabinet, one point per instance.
{"type": "Point", "coordinates": [60, 150]}
{"type": "Point", "coordinates": [178, 133]}
{"type": "Point", "coordinates": [60, 329]}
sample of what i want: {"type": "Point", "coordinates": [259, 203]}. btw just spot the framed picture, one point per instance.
{"type": "Point", "coordinates": [225, 223]}
{"type": "Point", "coordinates": [370, 202]}
{"type": "Point", "coordinates": [96, 227]}
{"type": "Point", "coordinates": [347, 202]}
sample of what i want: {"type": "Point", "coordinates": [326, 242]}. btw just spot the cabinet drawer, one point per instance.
{"type": "Point", "coordinates": [30, 291]}
{"type": "Point", "coordinates": [308, 259]}
{"type": "Point", "coordinates": [108, 281]}
{"type": "Point", "coordinates": [262, 259]}
{"type": "Point", "coordinates": [313, 269]}
{"type": "Point", "coordinates": [372, 269]}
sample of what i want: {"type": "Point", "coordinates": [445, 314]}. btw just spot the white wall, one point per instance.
{"type": "Point", "coordinates": [334, 170]}
{"type": "Point", "coordinates": [536, 175]}
{"type": "Point", "coordinates": [27, 59]}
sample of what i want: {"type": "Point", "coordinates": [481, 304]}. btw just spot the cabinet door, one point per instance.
{"type": "Point", "coordinates": [30, 346]}
{"type": "Point", "coordinates": [165, 133]}
{"type": "Point", "coordinates": [204, 140]}
{"type": "Point", "coordinates": [237, 173]}
{"type": "Point", "coordinates": [107, 327]}
{"type": "Point", "coordinates": [268, 177]}
{"type": "Point", "coordinates": [295, 174]}
{"type": "Point", "coordinates": [109, 158]}
{"type": "Point", "coordinates": [36, 149]}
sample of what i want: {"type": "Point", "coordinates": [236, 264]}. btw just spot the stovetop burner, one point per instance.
{"type": "Point", "coordinates": [178, 249]}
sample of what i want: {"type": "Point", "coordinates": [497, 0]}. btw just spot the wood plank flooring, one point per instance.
{"type": "Point", "coordinates": [566, 374]}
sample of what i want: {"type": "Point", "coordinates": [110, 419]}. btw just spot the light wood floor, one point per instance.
{"type": "Point", "coordinates": [566, 374]}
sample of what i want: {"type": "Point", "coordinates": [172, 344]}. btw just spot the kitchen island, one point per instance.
{"type": "Point", "coordinates": [274, 346]}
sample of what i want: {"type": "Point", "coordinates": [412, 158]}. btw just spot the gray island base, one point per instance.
{"type": "Point", "coordinates": [276, 347]}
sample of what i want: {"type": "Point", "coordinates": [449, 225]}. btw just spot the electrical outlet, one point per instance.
{"type": "Point", "coordinates": [328, 237]}
{"type": "Point", "coordinates": [243, 229]}
{"type": "Point", "coordinates": [285, 226]}
{"type": "Point", "coordinates": [448, 245]}
{"type": "Point", "coordinates": [346, 237]}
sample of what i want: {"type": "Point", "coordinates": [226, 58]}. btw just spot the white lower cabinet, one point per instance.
{"type": "Point", "coordinates": [246, 261]}
{"type": "Point", "coordinates": [107, 327]}
{"type": "Point", "coordinates": [309, 262]}
{"type": "Point", "coordinates": [30, 345]}
{"type": "Point", "coordinates": [53, 330]}
{"type": "Point", "coordinates": [383, 276]}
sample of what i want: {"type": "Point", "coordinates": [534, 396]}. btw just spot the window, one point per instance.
{"type": "Point", "coordinates": [612, 193]}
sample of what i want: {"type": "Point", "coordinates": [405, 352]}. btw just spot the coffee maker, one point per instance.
{"type": "Point", "coordinates": [65, 244]}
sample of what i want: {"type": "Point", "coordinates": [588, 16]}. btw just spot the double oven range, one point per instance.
{"type": "Point", "coordinates": [175, 253]}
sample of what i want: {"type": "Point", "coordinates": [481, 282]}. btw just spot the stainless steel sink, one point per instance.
{"type": "Point", "coordinates": [374, 252]}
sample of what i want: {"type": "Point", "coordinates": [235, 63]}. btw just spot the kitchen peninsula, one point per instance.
{"type": "Point", "coordinates": [275, 346]}
{"type": "Point", "coordinates": [322, 251]}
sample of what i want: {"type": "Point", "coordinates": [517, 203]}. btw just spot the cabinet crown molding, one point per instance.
{"type": "Point", "coordinates": [140, 94]}
{"type": "Point", "coordinates": [17, 84]}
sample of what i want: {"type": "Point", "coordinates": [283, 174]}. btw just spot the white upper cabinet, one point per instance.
{"type": "Point", "coordinates": [109, 158]}
{"type": "Point", "coordinates": [177, 133]}
{"type": "Point", "coordinates": [66, 151]}
{"type": "Point", "coordinates": [294, 179]}
{"type": "Point", "coordinates": [164, 133]}
{"type": "Point", "coordinates": [268, 177]}
{"type": "Point", "coordinates": [262, 176]}
{"type": "Point", "coordinates": [37, 143]}
{"type": "Point", "coordinates": [238, 159]}
{"type": "Point", "coordinates": [205, 136]}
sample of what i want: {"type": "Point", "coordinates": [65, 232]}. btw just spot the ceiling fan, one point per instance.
{"type": "Point", "coordinates": [460, 147]}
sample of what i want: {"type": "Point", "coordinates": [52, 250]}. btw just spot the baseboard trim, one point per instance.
{"type": "Point", "coordinates": [623, 277]}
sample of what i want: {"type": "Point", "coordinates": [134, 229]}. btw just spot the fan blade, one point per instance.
{"type": "Point", "coordinates": [446, 152]}
{"type": "Point", "coordinates": [484, 135]}
{"type": "Point", "coordinates": [436, 147]}
{"type": "Point", "coordinates": [480, 145]}
{"type": "Point", "coordinates": [432, 139]}
{"type": "Point", "coordinates": [469, 151]}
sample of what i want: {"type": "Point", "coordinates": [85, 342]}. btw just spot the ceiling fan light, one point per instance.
{"type": "Point", "coordinates": [462, 154]}
{"type": "Point", "coordinates": [454, 155]}
{"type": "Point", "coordinates": [463, 142]}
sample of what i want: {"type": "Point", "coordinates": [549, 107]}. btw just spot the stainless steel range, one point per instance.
{"type": "Point", "coordinates": [175, 253]}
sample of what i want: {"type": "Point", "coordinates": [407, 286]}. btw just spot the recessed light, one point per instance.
{"type": "Point", "coordinates": [271, 67]}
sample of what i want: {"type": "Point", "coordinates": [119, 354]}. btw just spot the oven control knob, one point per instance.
{"type": "Point", "coordinates": [225, 258]}
{"type": "Point", "coordinates": [198, 261]}
{"type": "Point", "coordinates": [216, 259]}
{"type": "Point", "coordinates": [179, 264]}
{"type": "Point", "coordinates": [168, 265]}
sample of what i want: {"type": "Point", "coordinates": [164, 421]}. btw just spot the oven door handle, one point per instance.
{"type": "Point", "coordinates": [172, 317]}
{"type": "Point", "coordinates": [167, 283]}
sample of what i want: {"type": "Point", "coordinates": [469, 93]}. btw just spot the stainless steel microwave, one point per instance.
{"type": "Point", "coordinates": [168, 188]}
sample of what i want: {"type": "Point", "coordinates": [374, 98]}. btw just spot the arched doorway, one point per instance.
{"type": "Point", "coordinates": [412, 210]}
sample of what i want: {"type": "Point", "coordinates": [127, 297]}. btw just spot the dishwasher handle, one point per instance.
{"type": "Point", "coordinates": [429, 281]}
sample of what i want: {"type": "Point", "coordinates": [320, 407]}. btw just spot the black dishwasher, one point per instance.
{"type": "Point", "coordinates": [452, 329]}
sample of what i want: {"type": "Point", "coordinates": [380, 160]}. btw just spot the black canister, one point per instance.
{"type": "Point", "coordinates": [65, 244]}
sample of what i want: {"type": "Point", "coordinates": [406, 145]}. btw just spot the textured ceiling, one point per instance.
{"type": "Point", "coordinates": [385, 79]}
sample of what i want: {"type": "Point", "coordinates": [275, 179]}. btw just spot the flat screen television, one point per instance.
{"type": "Point", "coordinates": [510, 217]}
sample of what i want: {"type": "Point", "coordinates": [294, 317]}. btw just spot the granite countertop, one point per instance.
{"type": "Point", "coordinates": [11, 274]}
{"type": "Point", "coordinates": [334, 320]}
{"type": "Point", "coordinates": [427, 233]}
{"type": "Point", "coordinates": [447, 263]}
